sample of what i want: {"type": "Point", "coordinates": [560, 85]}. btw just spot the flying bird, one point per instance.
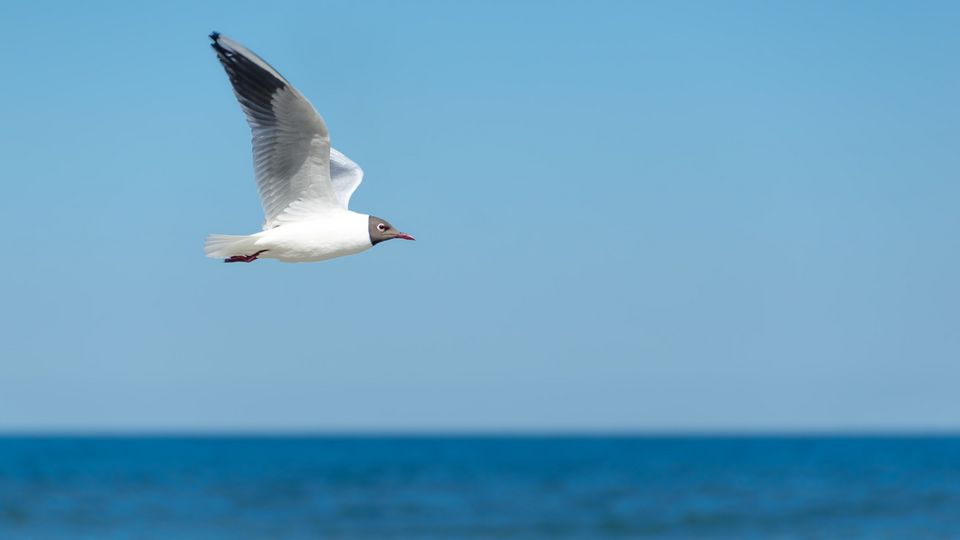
{"type": "Point", "coordinates": [305, 185]}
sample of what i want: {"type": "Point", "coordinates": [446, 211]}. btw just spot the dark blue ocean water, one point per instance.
{"type": "Point", "coordinates": [479, 487]}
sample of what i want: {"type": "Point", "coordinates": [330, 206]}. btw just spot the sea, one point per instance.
{"type": "Point", "coordinates": [477, 487]}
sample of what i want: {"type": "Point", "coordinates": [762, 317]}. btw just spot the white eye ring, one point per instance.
{"type": "Point", "coordinates": [381, 227]}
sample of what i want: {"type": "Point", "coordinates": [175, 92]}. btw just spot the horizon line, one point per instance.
{"type": "Point", "coordinates": [261, 432]}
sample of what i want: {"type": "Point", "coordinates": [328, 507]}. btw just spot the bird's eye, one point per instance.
{"type": "Point", "coordinates": [381, 227]}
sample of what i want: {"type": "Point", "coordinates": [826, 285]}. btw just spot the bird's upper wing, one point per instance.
{"type": "Point", "coordinates": [345, 175]}
{"type": "Point", "coordinates": [291, 147]}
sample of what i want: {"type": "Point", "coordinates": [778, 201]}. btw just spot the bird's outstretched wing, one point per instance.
{"type": "Point", "coordinates": [346, 176]}
{"type": "Point", "coordinates": [291, 147]}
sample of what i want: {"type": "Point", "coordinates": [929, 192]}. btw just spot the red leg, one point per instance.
{"type": "Point", "coordinates": [244, 258]}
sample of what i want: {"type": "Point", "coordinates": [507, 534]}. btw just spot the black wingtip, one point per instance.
{"type": "Point", "coordinates": [215, 36]}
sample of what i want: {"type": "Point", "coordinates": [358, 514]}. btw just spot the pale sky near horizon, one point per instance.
{"type": "Point", "coordinates": [630, 216]}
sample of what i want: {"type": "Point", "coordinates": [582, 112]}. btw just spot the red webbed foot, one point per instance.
{"type": "Point", "coordinates": [244, 258]}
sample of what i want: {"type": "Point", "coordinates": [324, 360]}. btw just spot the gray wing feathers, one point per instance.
{"type": "Point", "coordinates": [291, 147]}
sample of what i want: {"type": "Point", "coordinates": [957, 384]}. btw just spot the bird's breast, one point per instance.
{"type": "Point", "coordinates": [316, 240]}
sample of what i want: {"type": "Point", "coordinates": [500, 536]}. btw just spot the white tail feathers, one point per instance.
{"type": "Point", "coordinates": [224, 246]}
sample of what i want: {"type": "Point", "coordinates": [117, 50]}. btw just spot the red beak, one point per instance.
{"type": "Point", "coordinates": [405, 236]}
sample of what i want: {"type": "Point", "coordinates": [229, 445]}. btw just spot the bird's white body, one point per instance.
{"type": "Point", "coordinates": [326, 236]}
{"type": "Point", "coordinates": [305, 185]}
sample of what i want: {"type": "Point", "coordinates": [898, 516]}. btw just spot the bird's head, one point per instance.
{"type": "Point", "coordinates": [381, 229]}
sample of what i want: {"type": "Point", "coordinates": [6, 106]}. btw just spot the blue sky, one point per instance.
{"type": "Point", "coordinates": [630, 215]}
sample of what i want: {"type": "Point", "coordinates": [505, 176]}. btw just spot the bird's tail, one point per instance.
{"type": "Point", "coordinates": [224, 246]}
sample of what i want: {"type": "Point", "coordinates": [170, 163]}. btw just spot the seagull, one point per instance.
{"type": "Point", "coordinates": [305, 185]}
